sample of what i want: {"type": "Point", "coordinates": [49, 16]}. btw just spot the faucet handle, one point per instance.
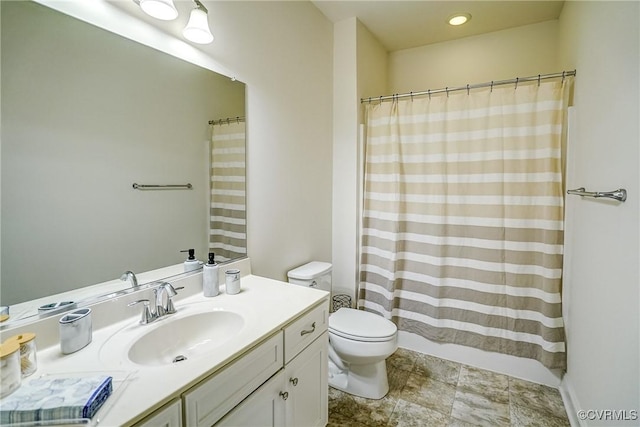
{"type": "Point", "coordinates": [147, 315]}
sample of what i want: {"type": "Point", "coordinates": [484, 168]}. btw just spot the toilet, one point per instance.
{"type": "Point", "coordinates": [359, 341]}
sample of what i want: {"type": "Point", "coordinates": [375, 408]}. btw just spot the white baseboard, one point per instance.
{"type": "Point", "coordinates": [518, 367]}
{"type": "Point", "coordinates": [570, 401]}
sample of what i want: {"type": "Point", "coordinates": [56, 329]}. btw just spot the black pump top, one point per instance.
{"type": "Point", "coordinates": [192, 254]}
{"type": "Point", "coordinates": [211, 256]}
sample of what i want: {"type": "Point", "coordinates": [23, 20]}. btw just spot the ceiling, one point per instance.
{"type": "Point", "coordinates": [406, 24]}
{"type": "Point", "coordinates": [397, 24]}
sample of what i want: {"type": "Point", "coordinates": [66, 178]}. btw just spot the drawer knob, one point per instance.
{"type": "Point", "coordinates": [293, 381]}
{"type": "Point", "coordinates": [308, 331]}
{"type": "Point", "coordinates": [284, 395]}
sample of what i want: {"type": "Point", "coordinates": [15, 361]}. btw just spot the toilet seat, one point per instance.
{"type": "Point", "coordinates": [358, 325]}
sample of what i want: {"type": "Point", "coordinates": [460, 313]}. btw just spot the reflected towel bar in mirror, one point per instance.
{"type": "Point", "coordinates": [162, 187]}
{"type": "Point", "coordinates": [619, 195]}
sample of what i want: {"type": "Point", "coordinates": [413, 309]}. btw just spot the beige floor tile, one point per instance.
{"type": "Point", "coordinates": [536, 396]}
{"type": "Point", "coordinates": [486, 383]}
{"type": "Point", "coordinates": [453, 422]}
{"type": "Point", "coordinates": [438, 369]}
{"type": "Point", "coordinates": [407, 414]}
{"type": "Point", "coordinates": [397, 379]}
{"type": "Point", "coordinates": [429, 393]}
{"type": "Point", "coordinates": [522, 416]}
{"type": "Point", "coordinates": [339, 420]}
{"type": "Point", "coordinates": [365, 411]}
{"type": "Point", "coordinates": [402, 359]}
{"type": "Point", "coordinates": [479, 410]}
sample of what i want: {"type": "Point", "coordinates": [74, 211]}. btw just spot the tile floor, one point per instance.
{"type": "Point", "coordinates": [426, 391]}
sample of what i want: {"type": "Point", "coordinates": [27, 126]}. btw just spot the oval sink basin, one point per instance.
{"type": "Point", "coordinates": [178, 340]}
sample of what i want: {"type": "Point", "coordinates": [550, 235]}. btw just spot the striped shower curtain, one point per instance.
{"type": "Point", "coordinates": [228, 225]}
{"type": "Point", "coordinates": [462, 228]}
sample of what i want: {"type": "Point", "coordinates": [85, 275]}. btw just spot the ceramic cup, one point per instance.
{"type": "Point", "coordinates": [232, 281]}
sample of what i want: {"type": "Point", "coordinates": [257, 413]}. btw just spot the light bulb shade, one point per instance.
{"type": "Point", "coordinates": [197, 29]}
{"type": "Point", "coordinates": [160, 9]}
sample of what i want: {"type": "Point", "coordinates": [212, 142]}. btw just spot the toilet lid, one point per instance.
{"type": "Point", "coordinates": [361, 325]}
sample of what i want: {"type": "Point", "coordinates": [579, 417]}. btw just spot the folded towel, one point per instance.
{"type": "Point", "coordinates": [56, 398]}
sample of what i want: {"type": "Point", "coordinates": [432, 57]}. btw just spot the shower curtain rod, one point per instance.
{"type": "Point", "coordinates": [474, 86]}
{"type": "Point", "coordinates": [228, 120]}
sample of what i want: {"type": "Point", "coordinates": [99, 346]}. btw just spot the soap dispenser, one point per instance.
{"type": "Point", "coordinates": [210, 283]}
{"type": "Point", "coordinates": [191, 263]}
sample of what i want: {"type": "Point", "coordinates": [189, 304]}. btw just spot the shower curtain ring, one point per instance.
{"type": "Point", "coordinates": [411, 95]}
{"type": "Point", "coordinates": [429, 93]}
{"type": "Point", "coordinates": [538, 80]}
{"type": "Point", "coordinates": [467, 89]}
{"type": "Point", "coordinates": [491, 86]}
{"type": "Point", "coordinates": [447, 90]}
{"type": "Point", "coordinates": [563, 74]}
{"type": "Point", "coordinates": [517, 79]}
{"type": "Point", "coordinates": [369, 100]}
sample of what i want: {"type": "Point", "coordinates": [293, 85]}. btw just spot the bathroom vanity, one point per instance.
{"type": "Point", "coordinates": [258, 358]}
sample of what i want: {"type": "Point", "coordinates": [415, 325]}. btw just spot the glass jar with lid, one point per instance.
{"type": "Point", "coordinates": [10, 377]}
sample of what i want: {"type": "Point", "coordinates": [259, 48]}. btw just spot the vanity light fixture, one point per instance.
{"type": "Point", "coordinates": [197, 29]}
{"type": "Point", "coordinates": [159, 9]}
{"type": "Point", "coordinates": [459, 19]}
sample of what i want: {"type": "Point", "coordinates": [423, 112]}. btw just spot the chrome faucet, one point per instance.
{"type": "Point", "coordinates": [130, 275]}
{"type": "Point", "coordinates": [161, 308]}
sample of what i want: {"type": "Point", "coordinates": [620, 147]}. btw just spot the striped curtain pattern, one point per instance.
{"type": "Point", "coordinates": [228, 222]}
{"type": "Point", "coordinates": [462, 238]}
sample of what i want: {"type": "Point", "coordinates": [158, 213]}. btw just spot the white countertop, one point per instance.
{"type": "Point", "coordinates": [266, 306]}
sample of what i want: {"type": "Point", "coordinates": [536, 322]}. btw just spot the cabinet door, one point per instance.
{"type": "Point", "coordinates": [264, 408]}
{"type": "Point", "coordinates": [209, 401]}
{"type": "Point", "coordinates": [307, 385]}
{"type": "Point", "coordinates": [169, 415]}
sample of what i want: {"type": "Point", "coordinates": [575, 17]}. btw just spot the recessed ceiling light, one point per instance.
{"type": "Point", "coordinates": [459, 19]}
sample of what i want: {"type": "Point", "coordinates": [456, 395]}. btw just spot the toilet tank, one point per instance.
{"type": "Point", "coordinates": [314, 274]}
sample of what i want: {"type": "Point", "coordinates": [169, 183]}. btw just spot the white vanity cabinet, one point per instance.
{"type": "Point", "coordinates": [298, 395]}
{"type": "Point", "coordinates": [295, 397]}
{"type": "Point", "coordinates": [209, 401]}
{"type": "Point", "coordinates": [306, 382]}
{"type": "Point", "coordinates": [281, 382]}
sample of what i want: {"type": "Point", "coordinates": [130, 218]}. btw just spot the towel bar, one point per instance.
{"type": "Point", "coordinates": [162, 187]}
{"type": "Point", "coordinates": [619, 194]}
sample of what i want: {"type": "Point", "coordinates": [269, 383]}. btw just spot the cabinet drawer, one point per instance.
{"type": "Point", "coordinates": [305, 330]}
{"type": "Point", "coordinates": [212, 399]}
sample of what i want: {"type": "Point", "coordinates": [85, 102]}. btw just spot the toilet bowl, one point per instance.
{"type": "Point", "coordinates": [359, 341]}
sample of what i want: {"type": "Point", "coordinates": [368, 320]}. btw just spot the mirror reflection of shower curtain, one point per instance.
{"type": "Point", "coordinates": [462, 238]}
{"type": "Point", "coordinates": [228, 222]}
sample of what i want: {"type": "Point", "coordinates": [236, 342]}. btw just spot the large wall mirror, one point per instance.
{"type": "Point", "coordinates": [86, 114]}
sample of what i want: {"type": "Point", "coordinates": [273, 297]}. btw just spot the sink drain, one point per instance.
{"type": "Point", "coordinates": [179, 358]}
